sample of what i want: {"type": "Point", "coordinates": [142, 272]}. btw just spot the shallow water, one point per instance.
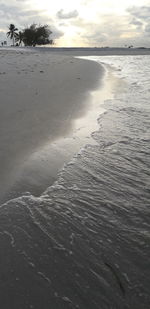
{"type": "Point", "coordinates": [84, 243]}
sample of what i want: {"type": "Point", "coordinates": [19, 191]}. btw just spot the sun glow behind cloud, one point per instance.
{"type": "Point", "coordinates": [92, 14]}
{"type": "Point", "coordinates": [107, 6]}
{"type": "Point", "coordinates": [84, 22]}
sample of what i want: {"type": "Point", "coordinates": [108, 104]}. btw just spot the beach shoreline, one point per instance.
{"type": "Point", "coordinates": [41, 96]}
{"type": "Point", "coordinates": [43, 92]}
{"type": "Point", "coordinates": [83, 51]}
{"type": "Point", "coordinates": [88, 230]}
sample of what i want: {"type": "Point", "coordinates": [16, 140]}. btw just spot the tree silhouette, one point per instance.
{"type": "Point", "coordinates": [37, 35]}
{"type": "Point", "coordinates": [12, 32]}
{"type": "Point", "coordinates": [31, 36]}
{"type": "Point", "coordinates": [19, 38]}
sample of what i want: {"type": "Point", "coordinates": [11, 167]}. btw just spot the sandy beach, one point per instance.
{"type": "Point", "coordinates": [43, 91]}
{"type": "Point", "coordinates": [41, 95]}
{"type": "Point", "coordinates": [74, 178]}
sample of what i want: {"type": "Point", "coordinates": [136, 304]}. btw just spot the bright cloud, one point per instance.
{"type": "Point", "coordinates": [83, 22]}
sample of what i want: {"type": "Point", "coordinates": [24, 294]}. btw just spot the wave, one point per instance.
{"type": "Point", "coordinates": [84, 243]}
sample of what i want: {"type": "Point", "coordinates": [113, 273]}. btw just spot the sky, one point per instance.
{"type": "Point", "coordinates": [81, 23]}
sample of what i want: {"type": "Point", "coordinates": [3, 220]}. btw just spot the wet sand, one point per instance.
{"type": "Point", "coordinates": [41, 95]}
{"type": "Point", "coordinates": [43, 91]}
{"type": "Point", "coordinates": [84, 242]}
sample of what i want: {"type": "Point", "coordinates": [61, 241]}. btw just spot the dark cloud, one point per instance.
{"type": "Point", "coordinates": [62, 15]}
{"type": "Point", "coordinates": [141, 18]}
{"type": "Point", "coordinates": [140, 12]}
{"type": "Point", "coordinates": [138, 25]}
{"type": "Point", "coordinates": [136, 22]}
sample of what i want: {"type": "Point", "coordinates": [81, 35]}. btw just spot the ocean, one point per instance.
{"type": "Point", "coordinates": [85, 242]}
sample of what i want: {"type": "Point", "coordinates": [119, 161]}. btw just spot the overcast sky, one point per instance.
{"type": "Point", "coordinates": [82, 22]}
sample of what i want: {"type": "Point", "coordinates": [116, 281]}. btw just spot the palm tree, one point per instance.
{"type": "Point", "coordinates": [12, 32]}
{"type": "Point", "coordinates": [19, 38]}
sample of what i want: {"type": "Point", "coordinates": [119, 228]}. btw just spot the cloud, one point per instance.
{"type": "Point", "coordinates": [96, 38]}
{"type": "Point", "coordinates": [62, 15]}
{"type": "Point", "coordinates": [141, 18]}
{"type": "Point", "coordinates": [104, 29]}
{"type": "Point", "coordinates": [22, 16]}
{"type": "Point", "coordinates": [140, 12]}
{"type": "Point", "coordinates": [104, 33]}
{"type": "Point", "coordinates": [126, 30]}
{"type": "Point", "coordinates": [56, 33]}
{"type": "Point", "coordinates": [2, 34]}
{"type": "Point", "coordinates": [18, 15]}
{"type": "Point", "coordinates": [136, 22]}
{"type": "Point", "coordinates": [7, 11]}
{"type": "Point", "coordinates": [147, 29]}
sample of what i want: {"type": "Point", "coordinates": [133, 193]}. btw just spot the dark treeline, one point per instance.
{"type": "Point", "coordinates": [30, 36]}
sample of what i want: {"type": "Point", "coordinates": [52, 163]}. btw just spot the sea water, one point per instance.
{"type": "Point", "coordinates": [85, 242]}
